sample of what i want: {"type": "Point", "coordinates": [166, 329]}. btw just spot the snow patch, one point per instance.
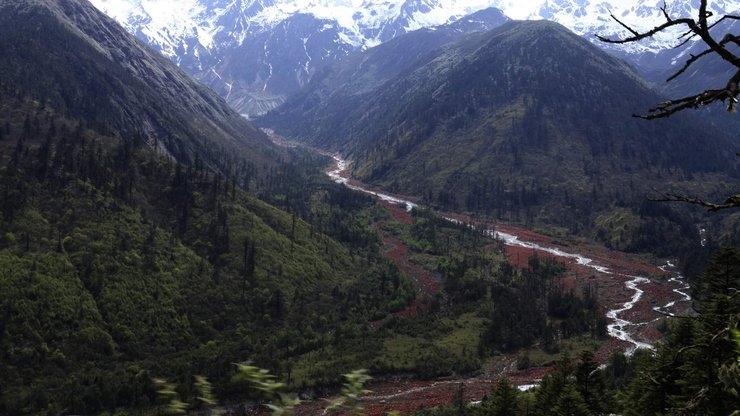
{"type": "Point", "coordinates": [360, 21]}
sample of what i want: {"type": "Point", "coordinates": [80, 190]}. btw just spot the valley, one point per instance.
{"type": "Point", "coordinates": [636, 296]}
{"type": "Point", "coordinates": [486, 241]}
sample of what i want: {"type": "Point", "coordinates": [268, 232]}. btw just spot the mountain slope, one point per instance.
{"type": "Point", "coordinates": [129, 246]}
{"type": "Point", "coordinates": [347, 83]}
{"type": "Point", "coordinates": [271, 64]}
{"type": "Point", "coordinates": [71, 57]}
{"type": "Point", "coordinates": [528, 122]}
{"type": "Point", "coordinates": [255, 53]}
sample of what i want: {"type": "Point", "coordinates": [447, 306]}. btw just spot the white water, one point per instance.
{"type": "Point", "coordinates": [336, 176]}
{"type": "Point", "coordinates": [512, 240]}
{"type": "Point", "coordinates": [677, 279]}
{"type": "Point", "coordinates": [619, 326]}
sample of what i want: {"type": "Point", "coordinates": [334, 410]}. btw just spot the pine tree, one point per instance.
{"type": "Point", "coordinates": [570, 403]}
{"type": "Point", "coordinates": [504, 400]}
{"type": "Point", "coordinates": [590, 383]}
{"type": "Point", "coordinates": [686, 375]}
{"type": "Point", "coordinates": [553, 386]}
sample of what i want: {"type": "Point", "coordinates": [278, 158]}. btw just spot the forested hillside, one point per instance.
{"type": "Point", "coordinates": [148, 230]}
{"type": "Point", "coordinates": [74, 59]}
{"type": "Point", "coordinates": [527, 123]}
{"type": "Point", "coordinates": [119, 264]}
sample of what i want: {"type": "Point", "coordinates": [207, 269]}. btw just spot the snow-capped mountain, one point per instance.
{"type": "Point", "coordinates": [255, 52]}
{"type": "Point", "coordinates": [363, 22]}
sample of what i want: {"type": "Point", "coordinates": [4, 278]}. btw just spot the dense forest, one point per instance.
{"type": "Point", "coordinates": [119, 264]}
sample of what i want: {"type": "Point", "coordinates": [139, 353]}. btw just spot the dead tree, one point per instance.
{"type": "Point", "coordinates": [700, 28]}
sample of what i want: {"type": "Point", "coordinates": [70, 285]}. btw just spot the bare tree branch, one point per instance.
{"type": "Point", "coordinates": [729, 38]}
{"type": "Point", "coordinates": [640, 36]}
{"type": "Point", "coordinates": [634, 32]}
{"type": "Point", "coordinates": [731, 202]}
{"type": "Point", "coordinates": [696, 27]}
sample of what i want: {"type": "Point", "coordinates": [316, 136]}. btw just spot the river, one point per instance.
{"type": "Point", "coordinates": [619, 326]}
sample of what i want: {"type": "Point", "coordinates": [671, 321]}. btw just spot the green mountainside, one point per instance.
{"type": "Point", "coordinates": [148, 231]}
{"type": "Point", "coordinates": [133, 244]}
{"type": "Point", "coordinates": [117, 265]}
{"type": "Point", "coordinates": [126, 254]}
{"type": "Point", "coordinates": [527, 123]}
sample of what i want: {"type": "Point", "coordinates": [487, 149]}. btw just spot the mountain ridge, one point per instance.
{"type": "Point", "coordinates": [208, 37]}
{"type": "Point", "coordinates": [141, 93]}
{"type": "Point", "coordinates": [528, 115]}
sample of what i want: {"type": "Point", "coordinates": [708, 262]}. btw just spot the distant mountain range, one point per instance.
{"type": "Point", "coordinates": [255, 53]}
{"type": "Point", "coordinates": [527, 122]}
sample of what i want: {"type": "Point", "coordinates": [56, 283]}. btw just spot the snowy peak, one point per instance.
{"type": "Point", "coordinates": [588, 18]}
{"type": "Point", "coordinates": [255, 52]}
{"type": "Point", "coordinates": [364, 21]}
{"type": "Point", "coordinates": [211, 24]}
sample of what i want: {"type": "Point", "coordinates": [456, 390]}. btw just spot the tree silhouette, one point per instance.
{"type": "Point", "coordinates": [699, 27]}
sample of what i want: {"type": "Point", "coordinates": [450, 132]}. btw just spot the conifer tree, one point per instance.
{"type": "Point", "coordinates": [691, 374]}
{"type": "Point", "coordinates": [504, 400]}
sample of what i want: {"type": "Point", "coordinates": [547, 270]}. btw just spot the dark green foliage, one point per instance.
{"type": "Point", "coordinates": [683, 375]}
{"type": "Point", "coordinates": [562, 391]}
{"type": "Point", "coordinates": [578, 314]}
{"type": "Point", "coordinates": [117, 265]}
{"type": "Point", "coordinates": [589, 383]}
{"type": "Point", "coordinates": [436, 362]}
{"type": "Point", "coordinates": [715, 291]}
{"type": "Point", "coordinates": [503, 401]}
{"type": "Point", "coordinates": [517, 320]}
{"type": "Point", "coordinates": [50, 326]}
{"type": "Point", "coordinates": [529, 305]}
{"type": "Point", "coordinates": [569, 403]}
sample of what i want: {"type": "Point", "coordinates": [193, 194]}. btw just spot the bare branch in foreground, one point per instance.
{"type": "Point", "coordinates": [731, 202]}
{"type": "Point", "coordinates": [699, 27]}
